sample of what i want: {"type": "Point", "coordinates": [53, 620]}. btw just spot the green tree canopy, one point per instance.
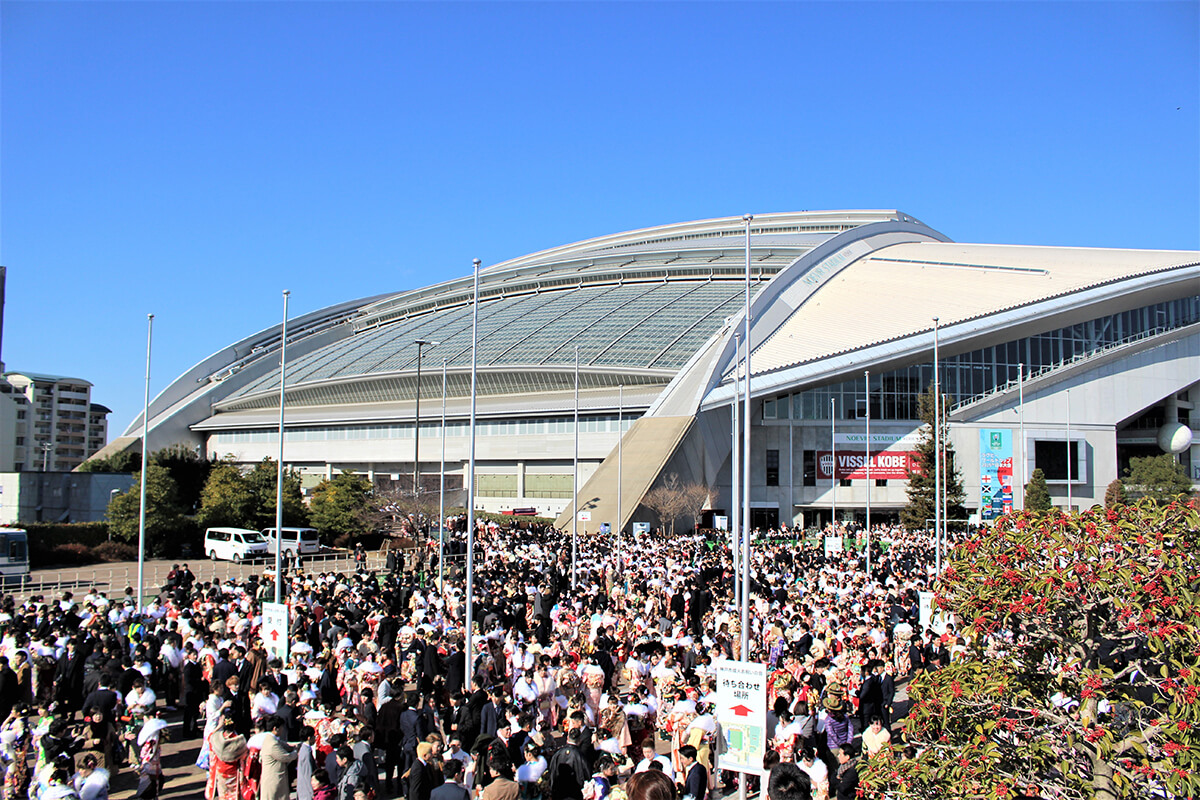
{"type": "Point", "coordinates": [1161, 478]}
{"type": "Point", "coordinates": [1082, 678]}
{"type": "Point", "coordinates": [188, 469]}
{"type": "Point", "coordinates": [163, 515]}
{"type": "Point", "coordinates": [227, 499]}
{"type": "Point", "coordinates": [263, 483]}
{"type": "Point", "coordinates": [124, 461]}
{"type": "Point", "coordinates": [1037, 494]}
{"type": "Point", "coordinates": [922, 482]}
{"type": "Point", "coordinates": [339, 506]}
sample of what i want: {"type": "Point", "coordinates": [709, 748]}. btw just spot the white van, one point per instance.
{"type": "Point", "coordinates": [295, 540]}
{"type": "Point", "coordinates": [234, 544]}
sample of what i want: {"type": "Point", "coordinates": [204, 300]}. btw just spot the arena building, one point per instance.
{"type": "Point", "coordinates": [1108, 341]}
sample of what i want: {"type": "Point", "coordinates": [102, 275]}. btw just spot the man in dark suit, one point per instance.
{"type": "Point", "coordinates": [695, 782]}
{"type": "Point", "coordinates": [192, 690]}
{"type": "Point", "coordinates": [224, 669]}
{"type": "Point", "coordinates": [456, 669]}
{"type": "Point", "coordinates": [420, 774]}
{"type": "Point", "coordinates": [102, 698]}
{"type": "Point", "coordinates": [887, 690]}
{"type": "Point", "coordinates": [451, 789]}
{"type": "Point", "coordinates": [870, 694]}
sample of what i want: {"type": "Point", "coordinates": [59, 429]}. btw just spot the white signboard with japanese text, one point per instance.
{"type": "Point", "coordinates": [742, 715]}
{"type": "Point", "coordinates": [274, 630]}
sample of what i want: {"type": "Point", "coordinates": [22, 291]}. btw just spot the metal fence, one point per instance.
{"type": "Point", "coordinates": [113, 579]}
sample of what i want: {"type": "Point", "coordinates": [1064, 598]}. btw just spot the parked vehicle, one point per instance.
{"type": "Point", "coordinates": [302, 541]}
{"type": "Point", "coordinates": [14, 555]}
{"type": "Point", "coordinates": [234, 544]}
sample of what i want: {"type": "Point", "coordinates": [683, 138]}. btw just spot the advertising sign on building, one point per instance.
{"type": "Point", "coordinates": [852, 464]}
{"type": "Point", "coordinates": [274, 631]}
{"type": "Point", "coordinates": [742, 715]}
{"type": "Point", "coordinates": [995, 473]}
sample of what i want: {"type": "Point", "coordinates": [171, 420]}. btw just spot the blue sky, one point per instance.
{"type": "Point", "coordinates": [195, 159]}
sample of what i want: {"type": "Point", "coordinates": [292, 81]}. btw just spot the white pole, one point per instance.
{"type": "Point", "coordinates": [442, 494]}
{"type": "Point", "coordinates": [1070, 490]}
{"type": "Point", "coordinates": [1021, 415]}
{"type": "Point", "coordinates": [746, 530]}
{"type": "Point", "coordinates": [937, 455]}
{"type": "Point", "coordinates": [867, 391]}
{"type": "Point", "coordinates": [575, 480]}
{"type": "Point", "coordinates": [735, 516]}
{"type": "Point", "coordinates": [620, 436]}
{"type": "Point", "coordinates": [833, 470]}
{"type": "Point", "coordinates": [279, 478]}
{"type": "Point", "coordinates": [470, 481]}
{"type": "Point", "coordinates": [145, 456]}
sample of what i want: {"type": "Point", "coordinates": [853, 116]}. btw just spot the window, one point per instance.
{"type": "Point", "coordinates": [881, 481]}
{"type": "Point", "coordinates": [810, 468]}
{"type": "Point", "coordinates": [772, 468]}
{"type": "Point", "coordinates": [1051, 458]}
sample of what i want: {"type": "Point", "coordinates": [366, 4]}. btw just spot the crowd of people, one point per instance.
{"type": "Point", "coordinates": [582, 681]}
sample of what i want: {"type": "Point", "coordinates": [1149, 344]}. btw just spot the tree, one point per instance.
{"type": "Point", "coordinates": [263, 484]}
{"type": "Point", "coordinates": [338, 506]}
{"type": "Point", "coordinates": [922, 482]}
{"type": "Point", "coordinates": [400, 511]}
{"type": "Point", "coordinates": [227, 499]}
{"type": "Point", "coordinates": [163, 515]}
{"type": "Point", "coordinates": [124, 461]}
{"type": "Point", "coordinates": [1114, 495]}
{"type": "Point", "coordinates": [1160, 478]}
{"type": "Point", "coordinates": [188, 469]}
{"type": "Point", "coordinates": [1037, 494]}
{"type": "Point", "coordinates": [671, 500]}
{"type": "Point", "coordinates": [1082, 679]}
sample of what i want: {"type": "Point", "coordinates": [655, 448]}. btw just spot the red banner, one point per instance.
{"type": "Point", "coordinates": [852, 464]}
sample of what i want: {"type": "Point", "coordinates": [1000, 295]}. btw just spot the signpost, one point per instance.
{"type": "Point", "coordinates": [274, 630]}
{"type": "Point", "coordinates": [742, 715]}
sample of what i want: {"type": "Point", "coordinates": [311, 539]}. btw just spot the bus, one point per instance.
{"type": "Point", "coordinates": [14, 555]}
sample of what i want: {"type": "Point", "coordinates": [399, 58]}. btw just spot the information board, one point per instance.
{"type": "Point", "coordinates": [742, 715]}
{"type": "Point", "coordinates": [274, 630]}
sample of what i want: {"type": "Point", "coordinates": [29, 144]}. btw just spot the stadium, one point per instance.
{"type": "Point", "coordinates": [1072, 360]}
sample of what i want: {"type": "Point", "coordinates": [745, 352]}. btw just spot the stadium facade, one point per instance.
{"type": "Point", "coordinates": [1108, 341]}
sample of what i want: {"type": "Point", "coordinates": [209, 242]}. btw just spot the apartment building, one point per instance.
{"type": "Point", "coordinates": [48, 422]}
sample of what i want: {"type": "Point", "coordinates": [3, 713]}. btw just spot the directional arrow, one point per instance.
{"type": "Point", "coordinates": [741, 711]}
{"type": "Point", "coordinates": [275, 636]}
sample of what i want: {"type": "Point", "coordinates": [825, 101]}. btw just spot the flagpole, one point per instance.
{"type": "Point", "coordinates": [141, 570]}
{"type": "Point", "coordinates": [470, 486]}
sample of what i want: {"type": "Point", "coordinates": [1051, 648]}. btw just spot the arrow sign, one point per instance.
{"type": "Point", "coordinates": [741, 711]}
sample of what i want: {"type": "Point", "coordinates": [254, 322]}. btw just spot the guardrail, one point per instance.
{"type": "Point", "coordinates": [113, 580]}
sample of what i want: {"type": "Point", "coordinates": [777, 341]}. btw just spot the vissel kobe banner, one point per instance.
{"type": "Point", "coordinates": [852, 464]}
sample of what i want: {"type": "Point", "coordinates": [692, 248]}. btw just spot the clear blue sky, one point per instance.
{"type": "Point", "coordinates": [195, 159]}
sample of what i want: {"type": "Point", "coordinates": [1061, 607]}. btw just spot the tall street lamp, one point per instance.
{"type": "Point", "coordinates": [279, 479]}
{"type": "Point", "coordinates": [141, 572]}
{"type": "Point", "coordinates": [747, 218]}
{"type": "Point", "coordinates": [420, 343]}
{"type": "Point", "coordinates": [470, 485]}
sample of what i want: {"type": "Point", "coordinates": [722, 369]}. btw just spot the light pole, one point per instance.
{"type": "Point", "coordinates": [470, 480]}
{"type": "Point", "coordinates": [1070, 490]}
{"type": "Point", "coordinates": [575, 479]}
{"type": "Point", "coordinates": [735, 521]}
{"type": "Point", "coordinates": [145, 455]}
{"type": "Point", "coordinates": [937, 456]}
{"type": "Point", "coordinates": [47, 446]}
{"type": "Point", "coordinates": [620, 436]}
{"type": "Point", "coordinates": [833, 467]}
{"type": "Point", "coordinates": [1021, 416]}
{"type": "Point", "coordinates": [442, 494]}
{"type": "Point", "coordinates": [420, 343]}
{"type": "Point", "coordinates": [747, 218]}
{"type": "Point", "coordinates": [867, 391]}
{"type": "Point", "coordinates": [279, 481]}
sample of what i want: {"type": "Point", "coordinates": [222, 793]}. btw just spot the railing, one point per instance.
{"type": "Point", "coordinates": [113, 580]}
{"type": "Point", "coordinates": [1076, 359]}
